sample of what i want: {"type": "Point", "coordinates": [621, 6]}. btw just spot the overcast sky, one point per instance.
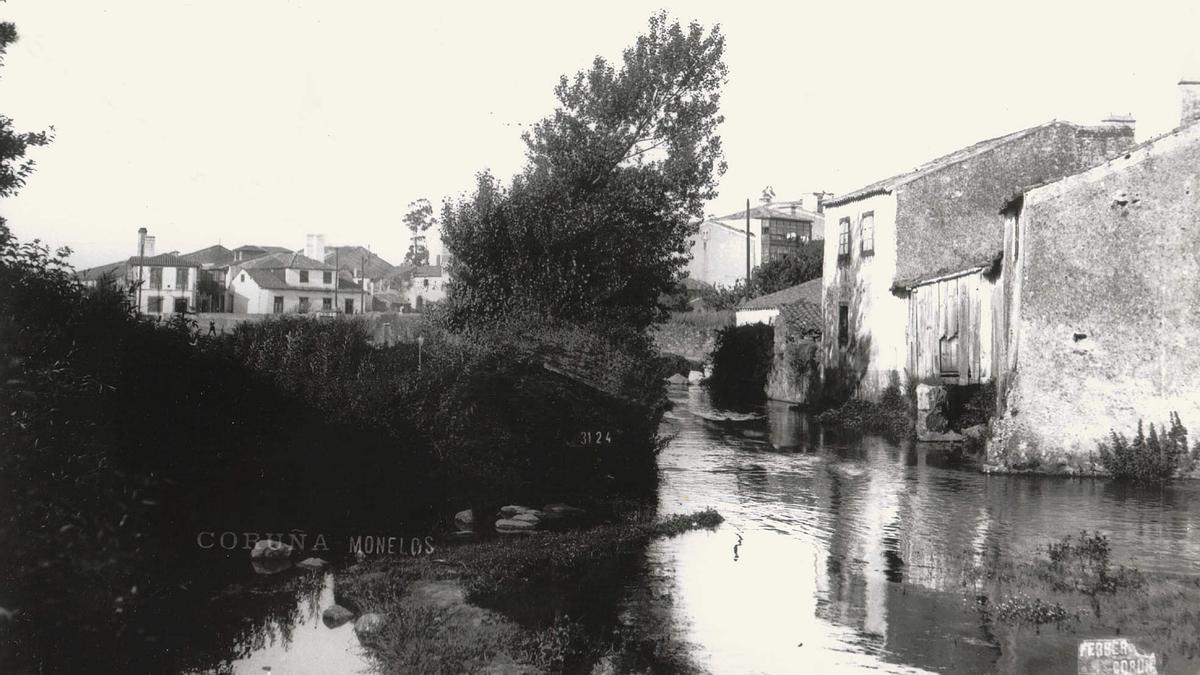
{"type": "Point", "coordinates": [259, 121]}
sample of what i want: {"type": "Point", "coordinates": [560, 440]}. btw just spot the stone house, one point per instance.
{"type": "Point", "coordinates": [911, 262]}
{"type": "Point", "coordinates": [1102, 299]}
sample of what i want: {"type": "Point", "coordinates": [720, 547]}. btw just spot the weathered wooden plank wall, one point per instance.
{"type": "Point", "coordinates": [963, 309]}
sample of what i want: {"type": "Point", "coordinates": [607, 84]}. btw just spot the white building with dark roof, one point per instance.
{"type": "Point", "coordinates": [289, 283]}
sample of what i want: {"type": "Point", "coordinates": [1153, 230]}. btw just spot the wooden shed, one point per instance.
{"type": "Point", "coordinates": [956, 326]}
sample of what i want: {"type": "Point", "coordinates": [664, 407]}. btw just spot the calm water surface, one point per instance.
{"type": "Point", "coordinates": [847, 554]}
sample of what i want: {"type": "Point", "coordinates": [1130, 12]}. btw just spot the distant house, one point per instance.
{"type": "Point", "coordinates": [1101, 283]}
{"type": "Point", "coordinates": [428, 285]}
{"type": "Point", "coordinates": [776, 230]}
{"type": "Point", "coordinates": [911, 262]}
{"type": "Point", "coordinates": [211, 291]}
{"type": "Point", "coordinates": [164, 283]}
{"type": "Point", "coordinates": [767, 308]}
{"type": "Point", "coordinates": [284, 283]}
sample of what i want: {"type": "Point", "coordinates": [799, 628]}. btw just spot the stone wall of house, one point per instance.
{"type": "Point", "coordinates": [949, 219]}
{"type": "Point", "coordinates": [1105, 314]}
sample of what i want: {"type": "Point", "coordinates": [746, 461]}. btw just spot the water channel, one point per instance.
{"type": "Point", "coordinates": [847, 554]}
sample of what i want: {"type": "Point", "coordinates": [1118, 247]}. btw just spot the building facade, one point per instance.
{"type": "Point", "coordinates": [910, 262]}
{"type": "Point", "coordinates": [778, 229]}
{"type": "Point", "coordinates": [1102, 281]}
{"type": "Point", "coordinates": [291, 284]}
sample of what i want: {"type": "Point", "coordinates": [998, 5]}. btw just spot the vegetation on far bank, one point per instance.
{"type": "Point", "coordinates": [1154, 458]}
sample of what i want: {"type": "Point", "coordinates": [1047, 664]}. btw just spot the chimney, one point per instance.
{"type": "Point", "coordinates": [820, 202]}
{"type": "Point", "coordinates": [314, 247]}
{"type": "Point", "coordinates": [148, 246]}
{"type": "Point", "coordinates": [1120, 120]}
{"type": "Point", "coordinates": [141, 249]}
{"type": "Point", "coordinates": [1189, 94]}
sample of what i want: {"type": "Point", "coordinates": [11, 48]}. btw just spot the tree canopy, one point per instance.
{"type": "Point", "coordinates": [596, 226]}
{"type": "Point", "coordinates": [419, 219]}
{"type": "Point", "coordinates": [14, 166]}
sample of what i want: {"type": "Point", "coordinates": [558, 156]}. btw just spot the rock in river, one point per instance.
{"type": "Point", "coordinates": [512, 510]}
{"type": "Point", "coordinates": [269, 549]}
{"type": "Point", "coordinates": [530, 517]}
{"type": "Point", "coordinates": [336, 616]}
{"type": "Point", "coordinates": [312, 564]}
{"type": "Point", "coordinates": [465, 520]}
{"type": "Point", "coordinates": [506, 525]}
{"type": "Point", "coordinates": [368, 626]}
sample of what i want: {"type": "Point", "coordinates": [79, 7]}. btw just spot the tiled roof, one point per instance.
{"type": "Point", "coordinates": [162, 260]}
{"type": "Point", "coordinates": [736, 230]}
{"type": "Point", "coordinates": [116, 270]}
{"type": "Point", "coordinates": [782, 210]}
{"type": "Point", "coordinates": [888, 184]}
{"type": "Point", "coordinates": [427, 271]}
{"type": "Point", "coordinates": [216, 255]}
{"type": "Point", "coordinates": [272, 279]}
{"type": "Point", "coordinates": [809, 291]}
{"type": "Point", "coordinates": [276, 261]}
{"type": "Point", "coordinates": [351, 258]}
{"type": "Point", "coordinates": [802, 317]}
{"type": "Point", "coordinates": [264, 249]}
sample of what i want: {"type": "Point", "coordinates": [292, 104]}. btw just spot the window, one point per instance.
{"type": "Point", "coordinates": [243, 277]}
{"type": "Point", "coordinates": [155, 277]}
{"type": "Point", "coordinates": [866, 233]}
{"type": "Point", "coordinates": [181, 278]}
{"type": "Point", "coordinates": [426, 283]}
{"type": "Point", "coordinates": [180, 305]}
{"type": "Point", "coordinates": [154, 304]}
{"type": "Point", "coordinates": [844, 237]}
{"type": "Point", "coordinates": [843, 323]}
{"type": "Point", "coordinates": [349, 306]}
{"type": "Point", "coordinates": [303, 305]}
{"type": "Point", "coordinates": [327, 303]}
{"type": "Point", "coordinates": [278, 304]}
{"type": "Point", "coordinates": [948, 356]}
{"type": "Point", "coordinates": [327, 277]}
{"type": "Point", "coordinates": [304, 276]}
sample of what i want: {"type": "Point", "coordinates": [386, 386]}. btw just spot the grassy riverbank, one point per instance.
{"type": "Point", "coordinates": [544, 602]}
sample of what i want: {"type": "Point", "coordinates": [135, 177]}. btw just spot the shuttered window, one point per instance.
{"type": "Point", "coordinates": [866, 233]}
{"type": "Point", "coordinates": [844, 237]}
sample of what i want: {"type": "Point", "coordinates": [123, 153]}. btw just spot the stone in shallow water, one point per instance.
{"type": "Point", "coordinates": [677, 379]}
{"type": "Point", "coordinates": [527, 517]}
{"type": "Point", "coordinates": [506, 525]}
{"type": "Point", "coordinates": [336, 616]}
{"type": "Point", "coordinates": [269, 549]}
{"type": "Point", "coordinates": [464, 520]}
{"type": "Point", "coordinates": [368, 625]}
{"type": "Point", "coordinates": [695, 376]}
{"type": "Point", "coordinates": [312, 564]}
{"type": "Point", "coordinates": [512, 510]}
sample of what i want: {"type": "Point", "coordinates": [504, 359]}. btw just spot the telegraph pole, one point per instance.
{"type": "Point", "coordinates": [747, 242]}
{"type": "Point", "coordinates": [337, 277]}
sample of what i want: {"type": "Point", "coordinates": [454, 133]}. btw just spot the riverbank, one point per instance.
{"type": "Point", "coordinates": [531, 603]}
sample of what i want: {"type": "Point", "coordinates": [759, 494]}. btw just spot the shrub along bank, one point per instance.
{"type": "Point", "coordinates": [122, 437]}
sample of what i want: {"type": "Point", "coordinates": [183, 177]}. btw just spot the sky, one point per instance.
{"type": "Point", "coordinates": [261, 121]}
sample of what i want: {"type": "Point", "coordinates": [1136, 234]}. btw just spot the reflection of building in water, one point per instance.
{"type": "Point", "coordinates": [895, 552]}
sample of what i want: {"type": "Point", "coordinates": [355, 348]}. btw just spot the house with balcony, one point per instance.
{"type": "Point", "coordinates": [211, 292]}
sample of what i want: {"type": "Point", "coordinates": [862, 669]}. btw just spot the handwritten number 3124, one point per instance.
{"type": "Point", "coordinates": [595, 437]}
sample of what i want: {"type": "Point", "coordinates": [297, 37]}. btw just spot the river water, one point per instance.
{"type": "Point", "coordinates": [847, 554]}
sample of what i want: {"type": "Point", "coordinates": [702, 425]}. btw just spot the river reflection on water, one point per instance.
{"type": "Point", "coordinates": [843, 554]}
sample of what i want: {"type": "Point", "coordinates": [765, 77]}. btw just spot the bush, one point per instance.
{"type": "Point", "coordinates": [1149, 458]}
{"type": "Point", "coordinates": [893, 415]}
{"type": "Point", "coordinates": [742, 362]}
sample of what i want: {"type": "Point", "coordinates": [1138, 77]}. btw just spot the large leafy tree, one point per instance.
{"type": "Point", "coordinates": [596, 226]}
